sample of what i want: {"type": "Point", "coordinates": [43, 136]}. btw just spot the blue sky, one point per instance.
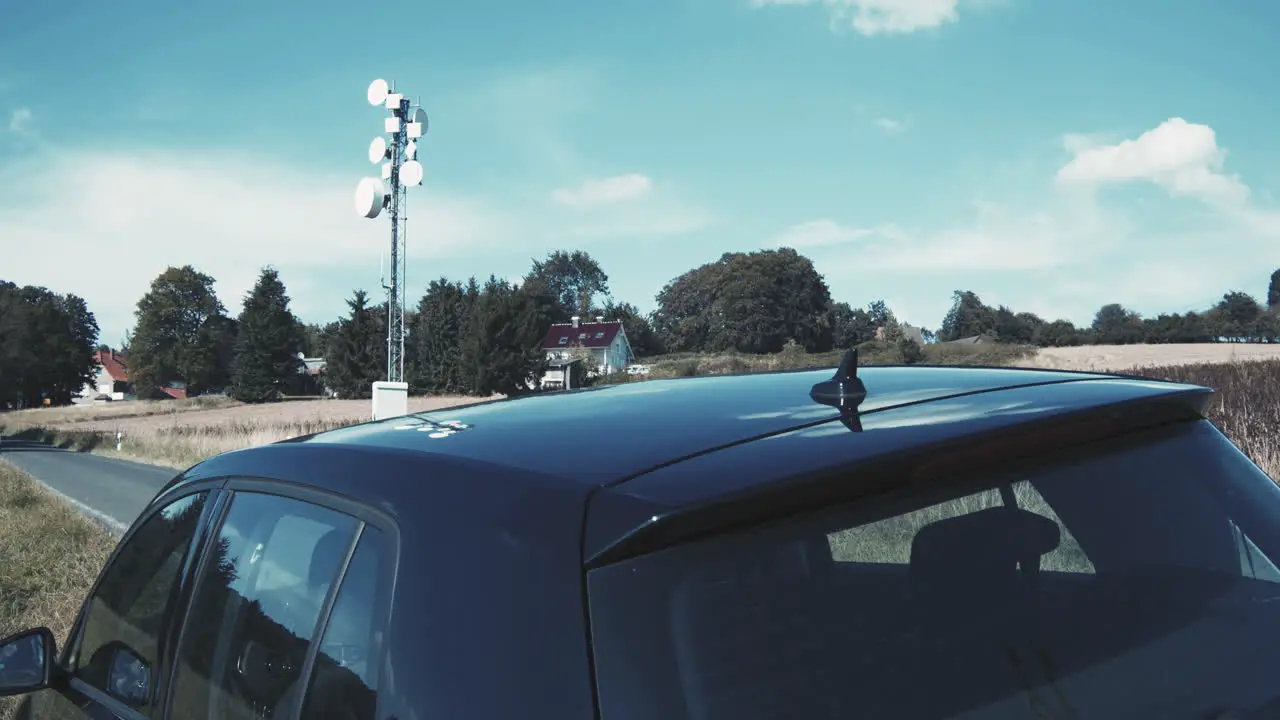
{"type": "Point", "coordinates": [1053, 155]}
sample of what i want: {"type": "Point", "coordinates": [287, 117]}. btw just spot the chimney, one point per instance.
{"type": "Point", "coordinates": [574, 320]}
{"type": "Point", "coordinates": [599, 318]}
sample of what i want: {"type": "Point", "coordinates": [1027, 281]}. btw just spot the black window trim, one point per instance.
{"type": "Point", "coordinates": [167, 644]}
{"type": "Point", "coordinates": [322, 621]}
{"type": "Point", "coordinates": [363, 514]}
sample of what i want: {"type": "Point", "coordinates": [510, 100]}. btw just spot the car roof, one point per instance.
{"type": "Point", "coordinates": [607, 434]}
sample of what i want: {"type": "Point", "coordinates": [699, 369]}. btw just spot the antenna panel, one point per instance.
{"type": "Point", "coordinates": [378, 150]}
{"type": "Point", "coordinates": [377, 93]}
{"type": "Point", "coordinates": [411, 173]}
{"type": "Point", "coordinates": [371, 195]}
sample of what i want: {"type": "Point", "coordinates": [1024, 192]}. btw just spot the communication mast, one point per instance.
{"type": "Point", "coordinates": [397, 154]}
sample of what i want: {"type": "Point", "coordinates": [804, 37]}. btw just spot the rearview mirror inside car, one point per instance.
{"type": "Point", "coordinates": [26, 661]}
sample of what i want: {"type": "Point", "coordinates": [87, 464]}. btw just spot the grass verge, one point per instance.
{"type": "Point", "coordinates": [49, 556]}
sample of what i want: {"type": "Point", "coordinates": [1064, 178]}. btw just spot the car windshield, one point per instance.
{"type": "Point", "coordinates": [1137, 579]}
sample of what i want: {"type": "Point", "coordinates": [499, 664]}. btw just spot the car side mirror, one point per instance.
{"type": "Point", "coordinates": [26, 661]}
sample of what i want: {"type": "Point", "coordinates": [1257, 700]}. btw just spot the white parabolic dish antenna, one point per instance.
{"type": "Point", "coordinates": [411, 173]}
{"type": "Point", "coordinates": [371, 194]}
{"type": "Point", "coordinates": [378, 92]}
{"type": "Point", "coordinates": [378, 150]}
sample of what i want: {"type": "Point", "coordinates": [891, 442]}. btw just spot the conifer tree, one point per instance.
{"type": "Point", "coordinates": [356, 354]}
{"type": "Point", "coordinates": [266, 363]}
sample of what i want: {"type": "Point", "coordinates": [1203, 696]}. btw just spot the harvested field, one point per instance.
{"type": "Point", "coordinates": [181, 438]}
{"type": "Point", "coordinates": [1120, 357]}
{"type": "Point", "coordinates": [114, 410]}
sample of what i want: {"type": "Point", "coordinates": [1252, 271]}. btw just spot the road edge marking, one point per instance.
{"type": "Point", "coordinates": [111, 524]}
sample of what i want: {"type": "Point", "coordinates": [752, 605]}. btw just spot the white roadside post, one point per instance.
{"type": "Point", "coordinates": [397, 157]}
{"type": "Point", "coordinates": [118, 440]}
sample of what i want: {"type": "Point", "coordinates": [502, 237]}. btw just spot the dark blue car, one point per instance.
{"type": "Point", "coordinates": [884, 542]}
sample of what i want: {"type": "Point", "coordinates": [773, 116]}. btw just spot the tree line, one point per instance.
{"type": "Point", "coordinates": [482, 337]}
{"type": "Point", "coordinates": [47, 343]}
{"type": "Point", "coordinates": [1237, 317]}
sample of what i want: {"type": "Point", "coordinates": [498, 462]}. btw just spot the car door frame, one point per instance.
{"type": "Point", "coordinates": [365, 515]}
{"type": "Point", "coordinates": [68, 684]}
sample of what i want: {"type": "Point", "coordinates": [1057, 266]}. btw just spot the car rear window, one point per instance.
{"type": "Point", "coordinates": [1137, 578]}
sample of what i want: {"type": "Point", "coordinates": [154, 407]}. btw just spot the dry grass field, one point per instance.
{"type": "Point", "coordinates": [49, 556]}
{"type": "Point", "coordinates": [181, 433]}
{"type": "Point", "coordinates": [1114, 358]}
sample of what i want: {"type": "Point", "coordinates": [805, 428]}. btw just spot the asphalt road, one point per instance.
{"type": "Point", "coordinates": [112, 491]}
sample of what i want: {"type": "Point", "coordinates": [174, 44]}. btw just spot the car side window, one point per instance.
{"type": "Point", "coordinates": [256, 605]}
{"type": "Point", "coordinates": [122, 629]}
{"type": "Point", "coordinates": [345, 677]}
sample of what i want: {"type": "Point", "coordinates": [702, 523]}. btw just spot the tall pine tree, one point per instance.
{"type": "Point", "coordinates": [266, 362]}
{"type": "Point", "coordinates": [356, 354]}
{"type": "Point", "coordinates": [435, 353]}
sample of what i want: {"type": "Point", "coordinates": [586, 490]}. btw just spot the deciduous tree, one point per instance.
{"type": "Point", "coordinates": [165, 345]}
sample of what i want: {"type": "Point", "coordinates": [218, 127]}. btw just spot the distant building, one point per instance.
{"type": "Point", "coordinates": [599, 347]}
{"type": "Point", "coordinates": [313, 376]}
{"type": "Point", "coordinates": [910, 331]}
{"type": "Point", "coordinates": [111, 377]}
{"type": "Point", "coordinates": [972, 340]}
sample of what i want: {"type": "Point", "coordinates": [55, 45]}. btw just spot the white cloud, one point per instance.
{"type": "Point", "coordinates": [997, 239]}
{"type": "Point", "coordinates": [103, 225]}
{"type": "Point", "coordinates": [1067, 250]}
{"type": "Point", "coordinates": [1181, 157]}
{"type": "Point", "coordinates": [606, 191]}
{"type": "Point", "coordinates": [820, 233]}
{"type": "Point", "coordinates": [626, 205]}
{"type": "Point", "coordinates": [882, 17]}
{"type": "Point", "coordinates": [890, 126]}
{"type": "Point", "coordinates": [20, 121]}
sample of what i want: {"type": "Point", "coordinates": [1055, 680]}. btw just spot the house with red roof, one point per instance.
{"type": "Point", "coordinates": [112, 380]}
{"type": "Point", "coordinates": [112, 377]}
{"type": "Point", "coordinates": [577, 347]}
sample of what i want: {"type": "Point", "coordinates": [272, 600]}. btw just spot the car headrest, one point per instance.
{"type": "Point", "coordinates": [326, 556]}
{"type": "Point", "coordinates": [977, 555]}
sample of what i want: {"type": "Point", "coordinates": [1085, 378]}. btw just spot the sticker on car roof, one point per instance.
{"type": "Point", "coordinates": [435, 429]}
